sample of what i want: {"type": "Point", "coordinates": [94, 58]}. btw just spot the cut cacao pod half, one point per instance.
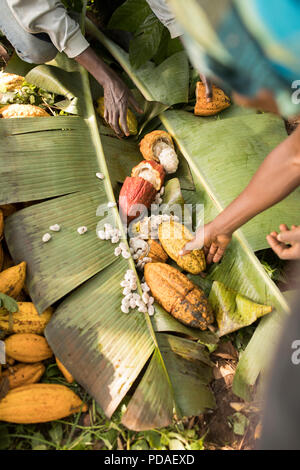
{"type": "Point", "coordinates": [173, 237]}
{"type": "Point", "coordinates": [155, 252]}
{"type": "Point", "coordinates": [22, 110]}
{"type": "Point", "coordinates": [152, 144]}
{"type": "Point", "coordinates": [219, 101]}
{"type": "Point", "coordinates": [178, 295]}
{"type": "Point", "coordinates": [151, 171]}
{"type": "Point", "coordinates": [136, 196]}
{"type": "Point", "coordinates": [233, 310]}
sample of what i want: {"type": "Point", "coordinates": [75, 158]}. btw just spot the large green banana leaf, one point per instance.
{"type": "Point", "coordinates": [223, 153]}
{"type": "Point", "coordinates": [107, 351]}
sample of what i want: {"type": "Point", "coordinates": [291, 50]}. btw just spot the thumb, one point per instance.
{"type": "Point", "coordinates": [286, 237]}
{"type": "Point", "coordinates": [189, 246]}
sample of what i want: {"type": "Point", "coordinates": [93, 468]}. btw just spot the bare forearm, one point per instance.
{"type": "Point", "coordinates": [276, 178]}
{"type": "Point", "coordinates": [95, 66]}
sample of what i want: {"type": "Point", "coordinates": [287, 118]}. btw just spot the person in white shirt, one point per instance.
{"type": "Point", "coordinates": [39, 29]}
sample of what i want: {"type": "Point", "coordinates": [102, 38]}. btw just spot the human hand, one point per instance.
{"type": "Point", "coordinates": [117, 98]}
{"type": "Point", "coordinates": [208, 87]}
{"type": "Point", "coordinates": [286, 244]}
{"type": "Point", "coordinates": [214, 243]}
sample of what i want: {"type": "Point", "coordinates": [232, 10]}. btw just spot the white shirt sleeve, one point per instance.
{"type": "Point", "coordinates": [163, 13]}
{"type": "Point", "coordinates": [51, 17]}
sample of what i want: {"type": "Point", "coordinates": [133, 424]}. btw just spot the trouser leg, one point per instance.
{"type": "Point", "coordinates": [29, 47]}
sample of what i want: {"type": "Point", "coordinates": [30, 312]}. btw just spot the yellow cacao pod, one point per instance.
{"type": "Point", "coordinates": [39, 403]}
{"type": "Point", "coordinates": [219, 101]}
{"type": "Point", "coordinates": [178, 295]}
{"type": "Point", "coordinates": [69, 377]}
{"type": "Point", "coordinates": [173, 236]}
{"type": "Point", "coordinates": [132, 123]}
{"type": "Point", "coordinates": [26, 320]}
{"type": "Point", "coordinates": [27, 347]}
{"type": "Point", "coordinates": [12, 280]}
{"type": "Point", "coordinates": [24, 374]}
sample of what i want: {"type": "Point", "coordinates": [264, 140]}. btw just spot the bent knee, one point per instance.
{"type": "Point", "coordinates": [39, 54]}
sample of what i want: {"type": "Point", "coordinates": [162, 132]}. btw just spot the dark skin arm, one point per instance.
{"type": "Point", "coordinates": [275, 179]}
{"type": "Point", "coordinates": [117, 97]}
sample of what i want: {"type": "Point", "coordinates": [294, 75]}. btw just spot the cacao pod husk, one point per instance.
{"type": "Point", "coordinates": [219, 101]}
{"type": "Point", "coordinates": [148, 143]}
{"type": "Point", "coordinates": [22, 110]}
{"type": "Point", "coordinates": [135, 192]}
{"type": "Point", "coordinates": [178, 295]}
{"type": "Point", "coordinates": [151, 171]}
{"type": "Point", "coordinates": [173, 237]}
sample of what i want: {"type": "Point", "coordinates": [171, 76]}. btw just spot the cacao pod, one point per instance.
{"type": "Point", "coordinates": [132, 123]}
{"type": "Point", "coordinates": [178, 295]}
{"type": "Point", "coordinates": [173, 236]}
{"type": "Point", "coordinates": [24, 374]}
{"type": "Point", "coordinates": [8, 209]}
{"type": "Point", "coordinates": [150, 171]}
{"type": "Point", "coordinates": [150, 141]}
{"type": "Point", "coordinates": [156, 252]}
{"type": "Point", "coordinates": [219, 101]}
{"type": "Point", "coordinates": [39, 403]}
{"type": "Point", "coordinates": [135, 192]}
{"type": "Point", "coordinates": [12, 280]}
{"type": "Point", "coordinates": [22, 110]}
{"type": "Point", "coordinates": [10, 82]}
{"type": "Point", "coordinates": [26, 320]}
{"type": "Point", "coordinates": [27, 347]}
{"type": "Point", "coordinates": [69, 377]}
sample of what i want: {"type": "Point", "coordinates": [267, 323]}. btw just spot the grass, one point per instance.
{"type": "Point", "coordinates": [93, 431]}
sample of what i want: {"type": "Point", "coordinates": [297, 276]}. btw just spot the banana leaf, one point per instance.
{"type": "Point", "coordinates": [223, 153]}
{"type": "Point", "coordinates": [233, 310]}
{"type": "Point", "coordinates": [54, 160]}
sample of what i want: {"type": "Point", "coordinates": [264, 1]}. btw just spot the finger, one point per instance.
{"type": "Point", "coordinates": [273, 234]}
{"type": "Point", "coordinates": [208, 87]}
{"type": "Point", "coordinates": [283, 227]}
{"type": "Point", "coordinates": [294, 227]}
{"type": "Point", "coordinates": [106, 115]}
{"type": "Point", "coordinates": [123, 121]}
{"type": "Point", "coordinates": [219, 255]}
{"type": "Point", "coordinates": [135, 104]}
{"type": "Point", "coordinates": [289, 253]}
{"type": "Point", "coordinates": [276, 246]}
{"type": "Point", "coordinates": [212, 251]}
{"type": "Point", "coordinates": [192, 245]}
{"type": "Point", "coordinates": [115, 124]}
{"type": "Point", "coordinates": [286, 237]}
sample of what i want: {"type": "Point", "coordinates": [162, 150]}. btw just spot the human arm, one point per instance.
{"type": "Point", "coordinates": [275, 179]}
{"type": "Point", "coordinates": [117, 96]}
{"type": "Point", "coordinates": [51, 17]}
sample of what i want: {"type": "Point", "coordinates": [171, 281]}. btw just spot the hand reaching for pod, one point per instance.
{"type": "Point", "coordinates": [117, 97]}
{"type": "Point", "coordinates": [214, 243]}
{"type": "Point", "coordinates": [286, 244]}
